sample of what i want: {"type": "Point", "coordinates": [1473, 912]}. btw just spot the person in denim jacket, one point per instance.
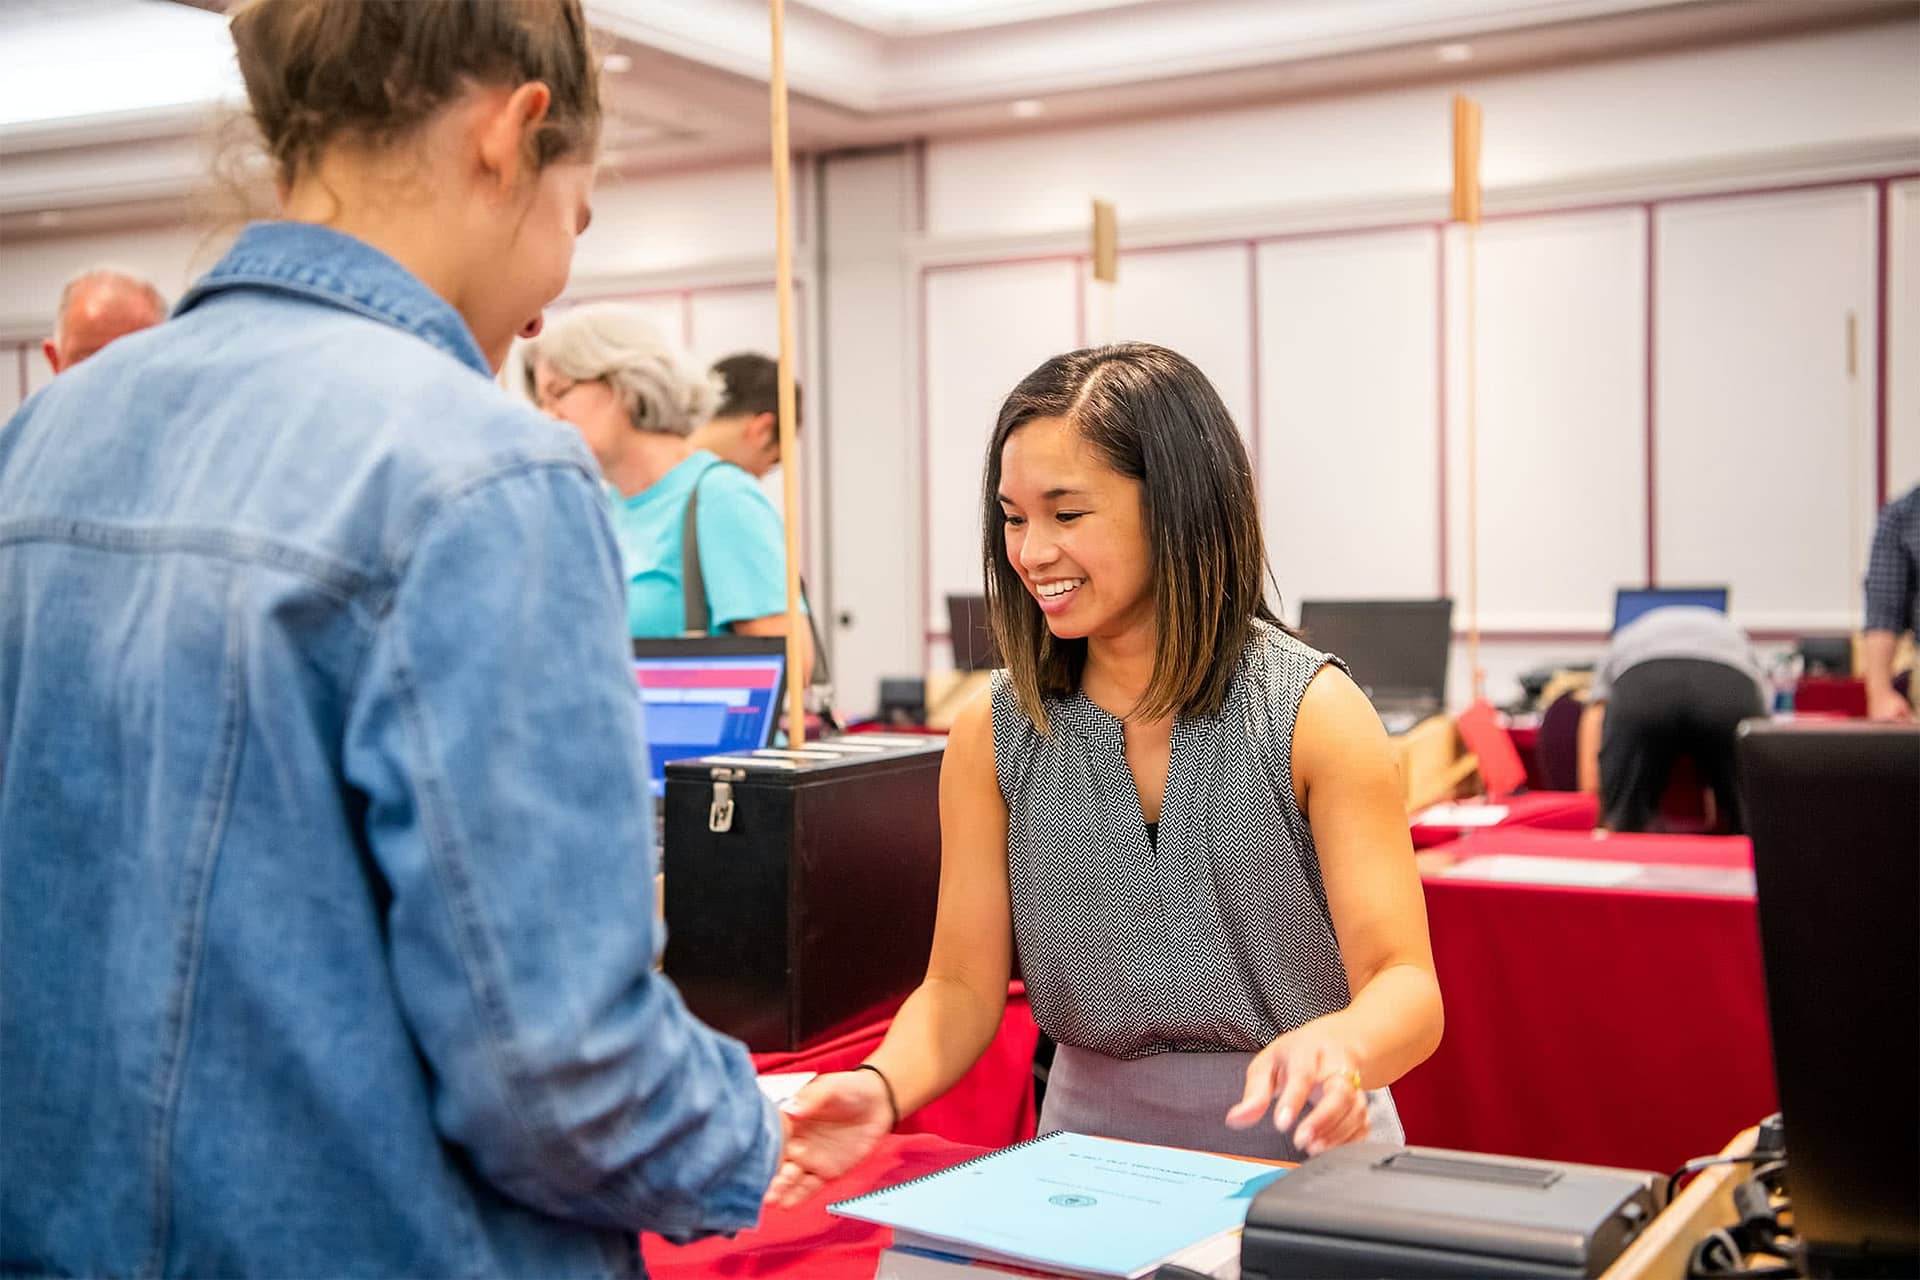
{"type": "Point", "coordinates": [326, 920]}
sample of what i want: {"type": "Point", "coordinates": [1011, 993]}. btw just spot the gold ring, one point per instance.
{"type": "Point", "coordinates": [1351, 1075]}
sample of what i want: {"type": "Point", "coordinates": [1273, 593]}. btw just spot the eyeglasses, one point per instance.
{"type": "Point", "coordinates": [547, 401]}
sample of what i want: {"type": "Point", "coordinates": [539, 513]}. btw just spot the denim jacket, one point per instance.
{"type": "Point", "coordinates": [326, 903]}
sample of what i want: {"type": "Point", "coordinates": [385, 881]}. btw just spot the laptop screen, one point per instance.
{"type": "Point", "coordinates": [708, 695]}
{"type": "Point", "coordinates": [970, 634]}
{"type": "Point", "coordinates": [1396, 649]}
{"type": "Point", "coordinates": [1630, 602]}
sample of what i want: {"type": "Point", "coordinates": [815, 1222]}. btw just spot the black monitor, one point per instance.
{"type": "Point", "coordinates": [1826, 655]}
{"type": "Point", "coordinates": [970, 635]}
{"type": "Point", "coordinates": [1630, 602]}
{"type": "Point", "coordinates": [707, 695]}
{"type": "Point", "coordinates": [1834, 811]}
{"type": "Point", "coordinates": [1396, 649]}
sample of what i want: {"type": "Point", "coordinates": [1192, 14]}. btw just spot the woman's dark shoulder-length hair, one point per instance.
{"type": "Point", "coordinates": [1154, 417]}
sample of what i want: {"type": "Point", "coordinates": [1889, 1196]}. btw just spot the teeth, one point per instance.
{"type": "Point", "coordinates": [1052, 589]}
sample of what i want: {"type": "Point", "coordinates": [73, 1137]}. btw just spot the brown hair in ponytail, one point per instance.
{"type": "Point", "coordinates": [374, 71]}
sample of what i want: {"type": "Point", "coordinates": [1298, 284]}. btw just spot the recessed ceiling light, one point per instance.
{"type": "Point", "coordinates": [1027, 108]}
{"type": "Point", "coordinates": [1454, 52]}
{"type": "Point", "coordinates": [616, 64]}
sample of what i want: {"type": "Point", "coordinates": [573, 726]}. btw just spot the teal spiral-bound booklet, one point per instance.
{"type": "Point", "coordinates": [1068, 1203]}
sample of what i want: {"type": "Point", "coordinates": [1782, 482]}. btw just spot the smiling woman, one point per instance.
{"type": "Point", "coordinates": [1075, 443]}
{"type": "Point", "coordinates": [1184, 817]}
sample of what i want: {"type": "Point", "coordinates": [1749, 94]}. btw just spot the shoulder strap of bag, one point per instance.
{"type": "Point", "coordinates": [693, 583]}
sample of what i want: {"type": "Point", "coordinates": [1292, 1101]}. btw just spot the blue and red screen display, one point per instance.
{"type": "Point", "coordinates": [706, 706]}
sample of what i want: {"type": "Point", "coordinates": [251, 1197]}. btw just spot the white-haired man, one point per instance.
{"type": "Point", "coordinates": [97, 307]}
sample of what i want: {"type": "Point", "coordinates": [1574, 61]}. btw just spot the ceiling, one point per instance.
{"type": "Point", "coordinates": [104, 104]}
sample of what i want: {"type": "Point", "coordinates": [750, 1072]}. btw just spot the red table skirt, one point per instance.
{"type": "Point", "coordinates": [808, 1243]}
{"type": "Point", "coordinates": [1549, 810]}
{"type": "Point", "coordinates": [992, 1105]}
{"type": "Point", "coordinates": [1665, 850]}
{"type": "Point", "coordinates": [1609, 1026]}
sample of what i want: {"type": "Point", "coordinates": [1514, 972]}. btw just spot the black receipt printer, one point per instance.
{"type": "Point", "coordinates": [1377, 1210]}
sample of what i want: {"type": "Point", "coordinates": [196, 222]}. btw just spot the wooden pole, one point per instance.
{"type": "Point", "coordinates": [1466, 209]}
{"type": "Point", "coordinates": [797, 629]}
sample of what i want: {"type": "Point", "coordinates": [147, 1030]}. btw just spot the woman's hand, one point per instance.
{"type": "Point", "coordinates": [1306, 1065]}
{"type": "Point", "coordinates": [831, 1126]}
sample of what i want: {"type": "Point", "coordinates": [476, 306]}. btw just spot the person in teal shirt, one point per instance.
{"type": "Point", "coordinates": [635, 398]}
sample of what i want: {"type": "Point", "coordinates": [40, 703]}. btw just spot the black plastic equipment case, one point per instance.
{"type": "Point", "coordinates": [1379, 1211]}
{"type": "Point", "coordinates": [800, 885]}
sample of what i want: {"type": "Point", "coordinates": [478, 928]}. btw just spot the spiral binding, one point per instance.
{"type": "Point", "coordinates": [941, 1173]}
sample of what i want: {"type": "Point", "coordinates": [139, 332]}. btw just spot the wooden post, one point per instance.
{"type": "Point", "coordinates": [1466, 209]}
{"type": "Point", "coordinates": [789, 443]}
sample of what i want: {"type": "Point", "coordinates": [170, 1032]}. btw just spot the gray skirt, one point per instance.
{"type": "Point", "coordinates": [1176, 1100]}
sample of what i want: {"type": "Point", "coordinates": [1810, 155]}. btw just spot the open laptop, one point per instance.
{"type": "Point", "coordinates": [1834, 811]}
{"type": "Point", "coordinates": [1396, 650]}
{"type": "Point", "coordinates": [708, 695]}
{"type": "Point", "coordinates": [1630, 602]}
{"type": "Point", "coordinates": [970, 634]}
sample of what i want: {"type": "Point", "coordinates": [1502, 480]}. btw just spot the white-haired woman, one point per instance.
{"type": "Point", "coordinates": [636, 398]}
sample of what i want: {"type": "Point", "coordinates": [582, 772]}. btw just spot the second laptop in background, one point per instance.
{"type": "Point", "coordinates": [1396, 650]}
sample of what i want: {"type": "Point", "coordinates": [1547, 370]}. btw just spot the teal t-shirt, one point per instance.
{"type": "Point", "coordinates": [743, 549]}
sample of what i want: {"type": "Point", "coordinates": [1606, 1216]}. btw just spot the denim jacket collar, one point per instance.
{"type": "Point", "coordinates": [329, 266]}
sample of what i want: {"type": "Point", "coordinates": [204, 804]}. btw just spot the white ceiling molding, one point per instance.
{"type": "Point", "coordinates": [80, 59]}
{"type": "Point", "coordinates": [114, 102]}
{"type": "Point", "coordinates": [1060, 47]}
{"type": "Point", "coordinates": [922, 17]}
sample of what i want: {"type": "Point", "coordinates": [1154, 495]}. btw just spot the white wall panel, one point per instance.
{"type": "Point", "coordinates": [1903, 331]}
{"type": "Point", "coordinates": [1764, 451]}
{"type": "Point", "coordinates": [661, 222]}
{"type": "Point", "coordinates": [33, 270]}
{"type": "Point", "coordinates": [1349, 458]}
{"type": "Point", "coordinates": [1560, 344]}
{"type": "Point", "coordinates": [728, 321]}
{"type": "Point", "coordinates": [863, 416]}
{"type": "Point", "coordinates": [1197, 302]}
{"type": "Point", "coordinates": [986, 328]}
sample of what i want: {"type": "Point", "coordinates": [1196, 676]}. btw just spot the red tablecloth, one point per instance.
{"type": "Point", "coordinates": [807, 1243]}
{"type": "Point", "coordinates": [991, 1106]}
{"type": "Point", "coordinates": [1552, 810]}
{"type": "Point", "coordinates": [1612, 1026]}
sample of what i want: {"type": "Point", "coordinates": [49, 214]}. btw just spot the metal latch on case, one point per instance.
{"type": "Point", "coordinates": [720, 815]}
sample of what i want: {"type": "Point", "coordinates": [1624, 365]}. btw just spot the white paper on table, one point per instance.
{"type": "Point", "coordinates": [780, 1086]}
{"type": "Point", "coordinates": [1517, 868]}
{"type": "Point", "coordinates": [1462, 815]}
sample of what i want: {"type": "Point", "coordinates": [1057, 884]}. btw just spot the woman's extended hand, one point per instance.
{"type": "Point", "coordinates": [1306, 1065]}
{"type": "Point", "coordinates": [831, 1126]}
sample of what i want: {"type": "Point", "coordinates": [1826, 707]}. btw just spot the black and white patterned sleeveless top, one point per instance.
{"type": "Point", "coordinates": [1216, 936]}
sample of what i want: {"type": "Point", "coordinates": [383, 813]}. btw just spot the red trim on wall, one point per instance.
{"type": "Point", "coordinates": [983, 264]}
{"type": "Point", "coordinates": [1440, 386]}
{"type": "Point", "coordinates": [1253, 363]}
{"type": "Point", "coordinates": [1651, 310]}
{"type": "Point", "coordinates": [1518, 635]}
{"type": "Point", "coordinates": [1882, 424]}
